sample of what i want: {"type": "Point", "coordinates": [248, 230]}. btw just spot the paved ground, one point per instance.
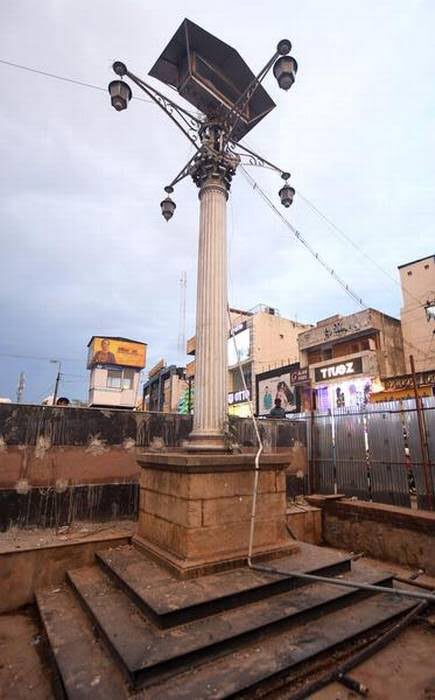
{"type": "Point", "coordinates": [23, 674]}
{"type": "Point", "coordinates": [404, 670]}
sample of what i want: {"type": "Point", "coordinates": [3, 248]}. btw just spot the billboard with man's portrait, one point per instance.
{"type": "Point", "coordinates": [116, 351]}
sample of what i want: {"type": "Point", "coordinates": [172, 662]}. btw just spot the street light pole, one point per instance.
{"type": "Point", "coordinates": [58, 376]}
{"type": "Point", "coordinates": [232, 101]}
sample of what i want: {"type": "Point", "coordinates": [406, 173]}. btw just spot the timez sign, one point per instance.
{"type": "Point", "coordinates": [339, 371]}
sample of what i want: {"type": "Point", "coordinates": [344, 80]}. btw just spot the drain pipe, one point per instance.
{"type": "Point", "coordinates": [429, 597]}
{"type": "Point", "coordinates": [258, 453]}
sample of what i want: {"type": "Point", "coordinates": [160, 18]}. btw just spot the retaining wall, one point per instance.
{"type": "Point", "coordinates": [59, 464]}
{"type": "Point", "coordinates": [390, 533]}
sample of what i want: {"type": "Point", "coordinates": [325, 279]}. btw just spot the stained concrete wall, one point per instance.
{"type": "Point", "coordinates": [385, 532]}
{"type": "Point", "coordinates": [58, 464]}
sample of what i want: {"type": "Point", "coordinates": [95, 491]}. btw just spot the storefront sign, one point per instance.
{"type": "Point", "coordinates": [405, 381]}
{"type": "Point", "coordinates": [339, 370]}
{"type": "Point", "coordinates": [300, 376]}
{"type": "Point", "coordinates": [239, 396]}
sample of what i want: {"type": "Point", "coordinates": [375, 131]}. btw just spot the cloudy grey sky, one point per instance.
{"type": "Point", "coordinates": [84, 249]}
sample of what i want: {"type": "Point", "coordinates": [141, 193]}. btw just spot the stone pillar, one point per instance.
{"type": "Point", "coordinates": [211, 402]}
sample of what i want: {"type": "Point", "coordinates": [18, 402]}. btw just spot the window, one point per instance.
{"type": "Point", "coordinates": [114, 378]}
{"type": "Point", "coordinates": [426, 267]}
{"type": "Point", "coordinates": [409, 273]}
{"type": "Point", "coordinates": [127, 379]}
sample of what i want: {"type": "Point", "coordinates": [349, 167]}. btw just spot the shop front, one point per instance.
{"type": "Point", "coordinates": [342, 385]}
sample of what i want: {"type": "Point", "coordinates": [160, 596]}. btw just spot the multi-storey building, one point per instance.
{"type": "Point", "coordinates": [261, 340]}
{"type": "Point", "coordinates": [348, 355]}
{"type": "Point", "coordinates": [417, 279]}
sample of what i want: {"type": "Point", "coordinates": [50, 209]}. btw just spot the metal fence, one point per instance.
{"type": "Point", "coordinates": [379, 453]}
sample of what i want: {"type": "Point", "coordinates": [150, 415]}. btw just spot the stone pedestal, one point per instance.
{"type": "Point", "coordinates": [195, 509]}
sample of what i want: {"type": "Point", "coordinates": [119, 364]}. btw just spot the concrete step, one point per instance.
{"type": "Point", "coordinates": [258, 667]}
{"type": "Point", "coordinates": [147, 653]}
{"type": "Point", "coordinates": [83, 667]}
{"type": "Point", "coordinates": [168, 601]}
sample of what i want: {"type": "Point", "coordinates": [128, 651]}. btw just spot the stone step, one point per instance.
{"type": "Point", "coordinates": [83, 667]}
{"type": "Point", "coordinates": [261, 665]}
{"type": "Point", "coordinates": [169, 601]}
{"type": "Point", "coordinates": [147, 653]}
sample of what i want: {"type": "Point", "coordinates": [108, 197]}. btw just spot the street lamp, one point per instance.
{"type": "Point", "coordinates": [285, 70]}
{"type": "Point", "coordinates": [231, 101]}
{"type": "Point", "coordinates": [286, 194]}
{"type": "Point", "coordinates": [168, 205]}
{"type": "Point", "coordinates": [120, 93]}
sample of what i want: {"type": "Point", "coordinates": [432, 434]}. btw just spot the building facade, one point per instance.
{"type": "Point", "coordinates": [261, 340]}
{"type": "Point", "coordinates": [417, 280]}
{"type": "Point", "coordinates": [347, 356]}
{"type": "Point", "coordinates": [115, 366]}
{"type": "Point", "coordinates": [164, 388]}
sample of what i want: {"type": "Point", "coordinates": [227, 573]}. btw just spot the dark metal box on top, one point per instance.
{"type": "Point", "coordinates": [211, 76]}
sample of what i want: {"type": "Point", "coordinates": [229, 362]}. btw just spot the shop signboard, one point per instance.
{"type": "Point", "coordinates": [339, 370]}
{"type": "Point", "coordinates": [300, 376]}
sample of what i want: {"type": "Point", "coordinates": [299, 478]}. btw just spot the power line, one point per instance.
{"type": "Point", "coordinates": [35, 357]}
{"type": "Point", "coordinates": [349, 240]}
{"type": "Point", "coordinates": [316, 255]}
{"type": "Point", "coordinates": [65, 79]}
{"type": "Point", "coordinates": [302, 240]}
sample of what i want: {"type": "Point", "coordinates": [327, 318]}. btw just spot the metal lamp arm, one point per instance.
{"type": "Point", "coordinates": [246, 96]}
{"type": "Point", "coordinates": [185, 172]}
{"type": "Point", "coordinates": [255, 159]}
{"type": "Point", "coordinates": [175, 112]}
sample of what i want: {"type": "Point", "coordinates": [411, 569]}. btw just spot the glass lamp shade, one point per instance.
{"type": "Point", "coordinates": [285, 70]}
{"type": "Point", "coordinates": [286, 194]}
{"type": "Point", "coordinates": [168, 207]}
{"type": "Point", "coordinates": [120, 94]}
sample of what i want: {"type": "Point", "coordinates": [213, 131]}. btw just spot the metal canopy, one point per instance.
{"type": "Point", "coordinates": [211, 76]}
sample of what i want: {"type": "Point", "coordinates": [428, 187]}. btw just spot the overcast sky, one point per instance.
{"type": "Point", "coordinates": [84, 248]}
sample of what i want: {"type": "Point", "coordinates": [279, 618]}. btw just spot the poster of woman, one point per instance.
{"type": "Point", "coordinates": [278, 387]}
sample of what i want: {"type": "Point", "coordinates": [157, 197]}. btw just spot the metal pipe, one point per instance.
{"type": "Point", "coordinates": [258, 453]}
{"type": "Point", "coordinates": [359, 657]}
{"type": "Point", "coordinates": [347, 584]}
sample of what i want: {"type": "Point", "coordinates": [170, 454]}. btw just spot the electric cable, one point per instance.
{"type": "Point", "coordinates": [65, 79]}
{"type": "Point", "coordinates": [354, 245]}
{"type": "Point", "coordinates": [255, 186]}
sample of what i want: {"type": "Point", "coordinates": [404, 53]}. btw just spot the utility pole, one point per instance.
{"type": "Point", "coordinates": [423, 438]}
{"type": "Point", "coordinates": [58, 376]}
{"type": "Point", "coordinates": [20, 387]}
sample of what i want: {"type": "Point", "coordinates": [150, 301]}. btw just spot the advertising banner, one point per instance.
{"type": "Point", "coordinates": [112, 351]}
{"type": "Point", "coordinates": [277, 387]}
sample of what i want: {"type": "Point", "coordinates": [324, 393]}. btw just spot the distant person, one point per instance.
{"type": "Point", "coordinates": [62, 401]}
{"type": "Point", "coordinates": [267, 399]}
{"type": "Point", "coordinates": [104, 356]}
{"type": "Point", "coordinates": [277, 411]}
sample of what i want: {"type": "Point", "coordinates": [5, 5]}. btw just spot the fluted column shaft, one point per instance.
{"type": "Point", "coordinates": [210, 411]}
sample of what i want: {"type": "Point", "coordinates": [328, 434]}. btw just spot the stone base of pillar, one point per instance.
{"type": "Point", "coordinates": [195, 510]}
{"type": "Point", "coordinates": [198, 442]}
